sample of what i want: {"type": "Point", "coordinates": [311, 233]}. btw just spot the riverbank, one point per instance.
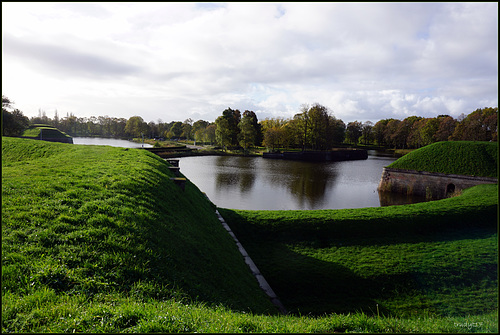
{"type": "Point", "coordinates": [95, 239]}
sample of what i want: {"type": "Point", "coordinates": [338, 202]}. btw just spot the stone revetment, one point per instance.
{"type": "Point", "coordinates": [432, 185]}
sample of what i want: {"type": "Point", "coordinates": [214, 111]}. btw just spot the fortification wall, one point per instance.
{"type": "Point", "coordinates": [429, 184]}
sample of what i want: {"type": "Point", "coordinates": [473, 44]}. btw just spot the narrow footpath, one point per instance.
{"type": "Point", "coordinates": [264, 285]}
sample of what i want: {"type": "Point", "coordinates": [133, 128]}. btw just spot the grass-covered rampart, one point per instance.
{"type": "Point", "coordinates": [98, 239]}
{"type": "Point", "coordinates": [45, 131]}
{"type": "Point", "coordinates": [453, 157]}
{"type": "Point", "coordinates": [437, 257]}
{"type": "Point", "coordinates": [94, 222]}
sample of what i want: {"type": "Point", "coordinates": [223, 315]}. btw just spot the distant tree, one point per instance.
{"type": "Point", "coordinates": [175, 130]}
{"type": "Point", "coordinates": [256, 126]}
{"type": "Point", "coordinates": [379, 131]}
{"type": "Point", "coordinates": [402, 136]}
{"type": "Point", "coordinates": [247, 131]}
{"type": "Point", "coordinates": [187, 127]}
{"type": "Point", "coordinates": [366, 133]}
{"type": "Point", "coordinates": [447, 126]}
{"type": "Point", "coordinates": [209, 134]}
{"type": "Point", "coordinates": [233, 117]}
{"type": "Point", "coordinates": [223, 132]}
{"type": "Point", "coordinates": [390, 131]}
{"type": "Point", "coordinates": [336, 130]}
{"type": "Point", "coordinates": [319, 123]}
{"type": "Point", "coordinates": [353, 132]}
{"type": "Point", "coordinates": [136, 126]}
{"type": "Point", "coordinates": [480, 125]}
{"type": "Point", "coordinates": [274, 133]}
{"type": "Point", "coordinates": [13, 123]}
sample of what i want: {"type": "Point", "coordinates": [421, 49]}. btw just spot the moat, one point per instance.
{"type": "Point", "coordinates": [256, 183]}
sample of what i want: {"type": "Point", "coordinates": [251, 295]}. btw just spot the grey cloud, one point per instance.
{"type": "Point", "coordinates": [66, 61]}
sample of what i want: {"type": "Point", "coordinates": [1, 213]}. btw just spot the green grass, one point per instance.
{"type": "Point", "coordinates": [46, 130]}
{"type": "Point", "coordinates": [438, 257]}
{"type": "Point", "coordinates": [454, 157]}
{"type": "Point", "coordinates": [98, 239]}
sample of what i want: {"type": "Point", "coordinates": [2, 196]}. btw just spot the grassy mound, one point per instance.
{"type": "Point", "coordinates": [454, 157]}
{"type": "Point", "coordinates": [438, 258]}
{"type": "Point", "coordinates": [93, 221]}
{"type": "Point", "coordinates": [46, 130]}
{"type": "Point", "coordinates": [98, 239]}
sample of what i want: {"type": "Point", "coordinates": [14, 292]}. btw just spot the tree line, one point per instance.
{"type": "Point", "coordinates": [313, 128]}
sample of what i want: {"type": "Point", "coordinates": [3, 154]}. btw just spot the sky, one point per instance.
{"type": "Point", "coordinates": [168, 61]}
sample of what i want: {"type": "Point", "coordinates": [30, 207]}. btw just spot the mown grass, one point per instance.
{"type": "Point", "coordinates": [94, 220]}
{"type": "Point", "coordinates": [438, 257]}
{"type": "Point", "coordinates": [454, 157]}
{"type": "Point", "coordinates": [46, 130]}
{"type": "Point", "coordinates": [98, 239]}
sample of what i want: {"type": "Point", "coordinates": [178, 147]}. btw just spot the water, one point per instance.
{"type": "Point", "coordinates": [108, 141]}
{"type": "Point", "coordinates": [261, 184]}
{"type": "Point", "coordinates": [273, 184]}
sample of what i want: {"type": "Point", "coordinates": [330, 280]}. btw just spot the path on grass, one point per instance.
{"type": "Point", "coordinates": [264, 285]}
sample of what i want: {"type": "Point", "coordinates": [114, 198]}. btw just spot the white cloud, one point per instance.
{"type": "Point", "coordinates": [172, 61]}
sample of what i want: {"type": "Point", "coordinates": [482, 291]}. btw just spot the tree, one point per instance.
{"type": "Point", "coordinates": [198, 130]}
{"type": "Point", "coordinates": [405, 128]}
{"type": "Point", "coordinates": [353, 132]}
{"type": "Point", "coordinates": [136, 126]}
{"type": "Point", "coordinates": [319, 122]}
{"type": "Point", "coordinates": [256, 126]}
{"type": "Point", "coordinates": [233, 117]}
{"type": "Point", "coordinates": [379, 130]}
{"type": "Point", "coordinates": [366, 133]}
{"type": "Point", "coordinates": [13, 123]}
{"type": "Point", "coordinates": [187, 127]}
{"type": "Point", "coordinates": [175, 130]}
{"type": "Point", "coordinates": [336, 130]}
{"type": "Point", "coordinates": [274, 133]}
{"type": "Point", "coordinates": [447, 126]}
{"type": "Point", "coordinates": [302, 123]}
{"type": "Point", "coordinates": [223, 132]}
{"type": "Point", "coordinates": [247, 130]}
{"type": "Point", "coordinates": [480, 125]}
{"type": "Point", "coordinates": [209, 134]}
{"type": "Point", "coordinates": [390, 130]}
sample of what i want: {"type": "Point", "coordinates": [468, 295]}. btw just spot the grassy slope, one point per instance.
{"type": "Point", "coordinates": [96, 221]}
{"type": "Point", "coordinates": [455, 157]}
{"type": "Point", "coordinates": [48, 131]}
{"type": "Point", "coordinates": [97, 239]}
{"type": "Point", "coordinates": [438, 257]}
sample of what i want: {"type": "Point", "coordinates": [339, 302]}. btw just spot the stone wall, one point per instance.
{"type": "Point", "coordinates": [429, 184]}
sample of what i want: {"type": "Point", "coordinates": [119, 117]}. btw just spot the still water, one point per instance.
{"type": "Point", "coordinates": [108, 141]}
{"type": "Point", "coordinates": [273, 184]}
{"type": "Point", "coordinates": [261, 184]}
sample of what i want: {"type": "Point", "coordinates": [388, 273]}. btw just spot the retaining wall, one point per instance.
{"type": "Point", "coordinates": [429, 184]}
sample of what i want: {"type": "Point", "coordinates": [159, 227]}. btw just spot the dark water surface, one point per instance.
{"type": "Point", "coordinates": [273, 184]}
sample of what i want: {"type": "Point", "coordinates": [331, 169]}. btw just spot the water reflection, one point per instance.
{"type": "Point", "coordinates": [258, 183]}
{"type": "Point", "coordinates": [232, 173]}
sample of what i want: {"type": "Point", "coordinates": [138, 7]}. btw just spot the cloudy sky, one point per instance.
{"type": "Point", "coordinates": [173, 61]}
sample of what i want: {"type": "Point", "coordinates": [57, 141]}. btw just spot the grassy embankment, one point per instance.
{"type": "Point", "coordinates": [454, 157]}
{"type": "Point", "coordinates": [98, 239]}
{"type": "Point", "coordinates": [46, 131]}
{"type": "Point", "coordinates": [437, 258]}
